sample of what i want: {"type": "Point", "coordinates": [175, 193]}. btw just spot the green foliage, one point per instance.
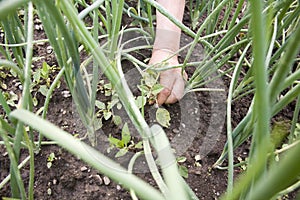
{"type": "Point", "coordinates": [279, 132]}
{"type": "Point", "coordinates": [50, 159]}
{"type": "Point", "coordinates": [149, 87]}
{"type": "Point", "coordinates": [263, 35]}
{"type": "Point", "coordinates": [124, 144]}
{"type": "Point", "coordinates": [296, 133]}
{"type": "Point", "coordinates": [182, 169]}
{"type": "Point", "coordinates": [163, 117]}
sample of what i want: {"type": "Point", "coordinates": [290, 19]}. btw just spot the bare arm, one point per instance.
{"type": "Point", "coordinates": [167, 40]}
{"type": "Point", "coordinates": [167, 33]}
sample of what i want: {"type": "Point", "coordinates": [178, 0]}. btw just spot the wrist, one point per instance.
{"type": "Point", "coordinates": [159, 55]}
{"type": "Point", "coordinates": [167, 40]}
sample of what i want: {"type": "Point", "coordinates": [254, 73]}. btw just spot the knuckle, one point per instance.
{"type": "Point", "coordinates": [166, 92]}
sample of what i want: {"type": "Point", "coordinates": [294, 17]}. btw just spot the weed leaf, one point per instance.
{"type": "Point", "coordinates": [125, 134]}
{"type": "Point", "coordinates": [157, 88]}
{"type": "Point", "coordinates": [115, 142]}
{"type": "Point", "coordinates": [121, 152]}
{"type": "Point", "coordinates": [163, 117]}
{"type": "Point", "coordinates": [140, 101]}
{"type": "Point", "coordinates": [117, 120]}
{"type": "Point", "coordinates": [183, 171]}
{"type": "Point", "coordinates": [100, 105]}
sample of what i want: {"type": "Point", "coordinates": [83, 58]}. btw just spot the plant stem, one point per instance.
{"type": "Point", "coordinates": [235, 76]}
{"type": "Point", "coordinates": [7, 7]}
{"type": "Point", "coordinates": [88, 154]}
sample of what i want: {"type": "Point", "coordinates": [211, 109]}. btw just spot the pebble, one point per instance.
{"type": "Point", "coordinates": [54, 181]}
{"type": "Point", "coordinates": [49, 191]}
{"type": "Point", "coordinates": [119, 187]}
{"type": "Point", "coordinates": [183, 125]}
{"type": "Point", "coordinates": [175, 130]}
{"type": "Point", "coordinates": [38, 27]}
{"type": "Point", "coordinates": [98, 179]}
{"type": "Point", "coordinates": [66, 93]}
{"type": "Point", "coordinates": [106, 180]}
{"type": "Point", "coordinates": [197, 157]}
{"type": "Point", "coordinates": [49, 49]}
{"type": "Point", "coordinates": [84, 168]}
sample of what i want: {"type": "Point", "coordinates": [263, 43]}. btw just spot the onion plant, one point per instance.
{"type": "Point", "coordinates": [265, 36]}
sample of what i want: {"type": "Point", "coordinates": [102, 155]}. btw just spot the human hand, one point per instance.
{"type": "Point", "coordinates": [172, 79]}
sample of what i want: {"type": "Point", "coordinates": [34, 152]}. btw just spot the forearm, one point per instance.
{"type": "Point", "coordinates": [167, 33]}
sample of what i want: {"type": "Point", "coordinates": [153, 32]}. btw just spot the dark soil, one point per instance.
{"type": "Point", "coordinates": [197, 129]}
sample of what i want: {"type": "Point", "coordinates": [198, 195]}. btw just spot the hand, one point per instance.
{"type": "Point", "coordinates": [171, 79]}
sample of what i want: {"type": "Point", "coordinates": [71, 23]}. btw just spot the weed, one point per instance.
{"type": "Point", "coordinates": [50, 159]}
{"type": "Point", "coordinates": [124, 144]}
{"type": "Point", "coordinates": [264, 35]}
{"type": "Point", "coordinates": [182, 169]}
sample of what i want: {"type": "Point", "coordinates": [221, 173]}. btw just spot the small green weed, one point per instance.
{"type": "Point", "coordinates": [183, 170]}
{"type": "Point", "coordinates": [149, 87]}
{"type": "Point", "coordinates": [50, 159]}
{"type": "Point", "coordinates": [125, 143]}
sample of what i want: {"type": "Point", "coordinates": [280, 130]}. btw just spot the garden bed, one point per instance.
{"type": "Point", "coordinates": [197, 131]}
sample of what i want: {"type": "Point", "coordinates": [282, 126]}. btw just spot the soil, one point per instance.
{"type": "Point", "coordinates": [197, 132]}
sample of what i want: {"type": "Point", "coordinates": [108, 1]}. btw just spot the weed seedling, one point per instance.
{"type": "Point", "coordinates": [149, 87]}
{"type": "Point", "coordinates": [50, 159]}
{"type": "Point", "coordinates": [182, 169]}
{"type": "Point", "coordinates": [124, 144]}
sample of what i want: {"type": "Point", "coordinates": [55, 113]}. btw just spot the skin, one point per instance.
{"type": "Point", "coordinates": [167, 41]}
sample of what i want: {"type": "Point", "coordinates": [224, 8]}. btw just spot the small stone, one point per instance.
{"type": "Point", "coordinates": [83, 169]}
{"type": "Point", "coordinates": [66, 93]}
{"type": "Point", "coordinates": [106, 180]}
{"type": "Point", "coordinates": [54, 181]}
{"type": "Point", "coordinates": [175, 130]}
{"type": "Point", "coordinates": [119, 187]}
{"type": "Point", "coordinates": [183, 125]}
{"type": "Point", "coordinates": [37, 27]}
{"type": "Point", "coordinates": [49, 49]}
{"type": "Point", "coordinates": [98, 179]}
{"type": "Point", "coordinates": [49, 191]}
{"type": "Point", "coordinates": [197, 157]}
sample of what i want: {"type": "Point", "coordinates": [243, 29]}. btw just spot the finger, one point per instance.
{"type": "Point", "coordinates": [177, 91]}
{"type": "Point", "coordinates": [167, 82]}
{"type": "Point", "coordinates": [163, 96]}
